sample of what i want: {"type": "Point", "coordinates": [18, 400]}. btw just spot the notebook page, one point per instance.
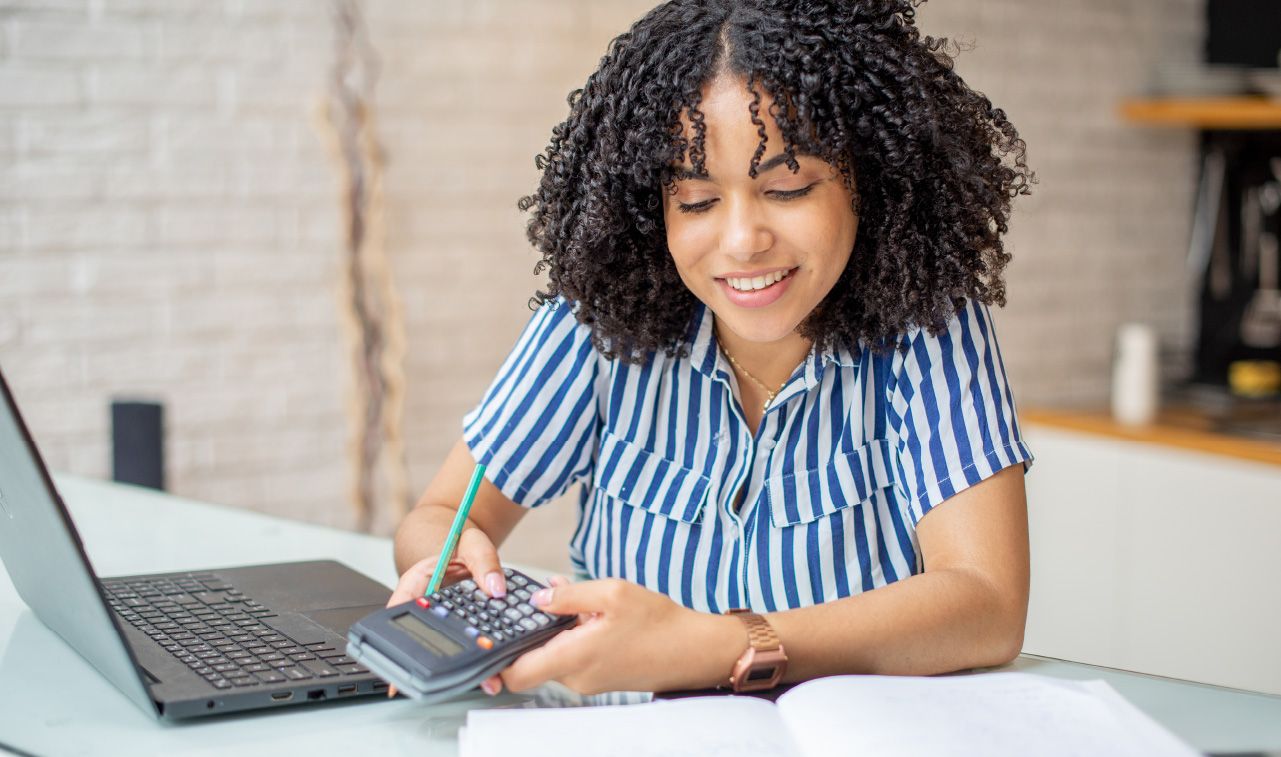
{"type": "Point", "coordinates": [695, 727]}
{"type": "Point", "coordinates": [991, 715]}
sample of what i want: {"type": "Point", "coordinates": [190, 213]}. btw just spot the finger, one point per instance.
{"type": "Point", "coordinates": [492, 685]}
{"type": "Point", "coordinates": [391, 691]}
{"type": "Point", "coordinates": [414, 581]}
{"type": "Point", "coordinates": [585, 597]}
{"type": "Point", "coordinates": [559, 657]}
{"type": "Point", "coordinates": [481, 558]}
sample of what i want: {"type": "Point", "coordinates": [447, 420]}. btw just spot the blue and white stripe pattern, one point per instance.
{"type": "Point", "coordinates": [853, 451]}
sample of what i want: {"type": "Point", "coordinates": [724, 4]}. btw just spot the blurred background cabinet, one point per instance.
{"type": "Point", "coordinates": [1153, 558]}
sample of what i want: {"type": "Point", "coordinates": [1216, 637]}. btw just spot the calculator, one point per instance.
{"type": "Point", "coordinates": [441, 645]}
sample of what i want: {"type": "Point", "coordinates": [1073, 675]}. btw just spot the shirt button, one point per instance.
{"type": "Point", "coordinates": [767, 444]}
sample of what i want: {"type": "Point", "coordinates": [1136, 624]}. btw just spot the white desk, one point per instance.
{"type": "Point", "coordinates": [52, 702]}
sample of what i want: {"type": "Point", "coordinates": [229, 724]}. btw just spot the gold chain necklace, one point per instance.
{"type": "Point", "coordinates": [769, 395]}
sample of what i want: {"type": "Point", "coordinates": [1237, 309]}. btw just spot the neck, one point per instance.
{"type": "Point", "coordinates": [772, 363]}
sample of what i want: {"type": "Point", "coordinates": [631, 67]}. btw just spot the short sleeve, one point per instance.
{"type": "Point", "coordinates": [535, 428]}
{"type": "Point", "coordinates": [950, 411]}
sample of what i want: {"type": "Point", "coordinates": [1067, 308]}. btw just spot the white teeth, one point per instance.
{"type": "Point", "coordinates": [757, 282]}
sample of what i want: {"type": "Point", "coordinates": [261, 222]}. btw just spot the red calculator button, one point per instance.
{"type": "Point", "coordinates": [484, 642]}
{"type": "Point", "coordinates": [422, 602]}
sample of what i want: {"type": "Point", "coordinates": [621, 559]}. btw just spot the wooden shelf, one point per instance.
{"type": "Point", "coordinates": [1174, 427]}
{"type": "Point", "coordinates": [1204, 112]}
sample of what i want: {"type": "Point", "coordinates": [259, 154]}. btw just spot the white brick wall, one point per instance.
{"type": "Point", "coordinates": [168, 222]}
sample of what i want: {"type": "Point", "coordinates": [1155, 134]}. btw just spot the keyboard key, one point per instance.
{"type": "Point", "coordinates": [319, 668]}
{"type": "Point", "coordinates": [351, 669]}
{"type": "Point", "coordinates": [296, 674]}
{"type": "Point", "coordinates": [221, 684]}
{"type": "Point", "coordinates": [271, 677]}
{"type": "Point", "coordinates": [257, 667]}
{"type": "Point", "coordinates": [245, 681]}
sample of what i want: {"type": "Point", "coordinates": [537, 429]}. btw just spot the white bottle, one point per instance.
{"type": "Point", "coordinates": [1135, 384]}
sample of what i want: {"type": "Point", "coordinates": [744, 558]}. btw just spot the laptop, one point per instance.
{"type": "Point", "coordinates": [188, 644]}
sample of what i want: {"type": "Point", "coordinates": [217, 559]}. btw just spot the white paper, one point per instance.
{"type": "Point", "coordinates": [992, 715]}
{"type": "Point", "coordinates": [695, 727]}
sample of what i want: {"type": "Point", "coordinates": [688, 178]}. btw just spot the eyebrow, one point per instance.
{"type": "Point", "coordinates": [683, 173]}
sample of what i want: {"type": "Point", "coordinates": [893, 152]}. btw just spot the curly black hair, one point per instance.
{"type": "Point", "coordinates": [931, 164]}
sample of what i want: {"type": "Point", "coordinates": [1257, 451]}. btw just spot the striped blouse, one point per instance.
{"type": "Point", "coordinates": [849, 456]}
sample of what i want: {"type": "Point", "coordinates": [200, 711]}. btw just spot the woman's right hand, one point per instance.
{"type": "Point", "coordinates": [476, 557]}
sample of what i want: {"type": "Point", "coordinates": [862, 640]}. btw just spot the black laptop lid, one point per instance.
{"type": "Point", "coordinates": [46, 562]}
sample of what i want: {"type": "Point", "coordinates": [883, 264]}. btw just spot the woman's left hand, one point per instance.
{"type": "Point", "coordinates": [628, 638]}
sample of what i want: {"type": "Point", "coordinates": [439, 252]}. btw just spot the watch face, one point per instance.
{"type": "Point", "coordinates": [761, 674]}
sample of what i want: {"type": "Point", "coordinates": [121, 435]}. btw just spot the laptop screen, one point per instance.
{"type": "Point", "coordinates": [42, 554]}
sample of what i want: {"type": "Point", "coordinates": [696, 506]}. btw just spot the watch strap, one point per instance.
{"type": "Point", "coordinates": [760, 634]}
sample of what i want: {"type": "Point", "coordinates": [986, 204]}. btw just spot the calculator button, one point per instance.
{"type": "Point", "coordinates": [497, 605]}
{"type": "Point", "coordinates": [467, 585]}
{"type": "Point", "coordinates": [508, 572]}
{"type": "Point", "coordinates": [526, 609]}
{"type": "Point", "coordinates": [447, 604]}
{"type": "Point", "coordinates": [512, 600]}
{"type": "Point", "coordinates": [471, 631]}
{"type": "Point", "coordinates": [497, 635]}
{"type": "Point", "coordinates": [511, 613]}
{"type": "Point", "coordinates": [422, 602]}
{"type": "Point", "coordinates": [460, 612]}
{"type": "Point", "coordinates": [441, 610]}
{"type": "Point", "coordinates": [484, 642]}
{"type": "Point", "coordinates": [528, 624]}
{"type": "Point", "coordinates": [519, 580]}
{"type": "Point", "coordinates": [479, 596]}
{"type": "Point", "coordinates": [540, 619]}
{"type": "Point", "coordinates": [522, 593]}
{"type": "Point", "coordinates": [473, 620]}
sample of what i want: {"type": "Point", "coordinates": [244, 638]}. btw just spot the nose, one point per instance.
{"type": "Point", "coordinates": [745, 233]}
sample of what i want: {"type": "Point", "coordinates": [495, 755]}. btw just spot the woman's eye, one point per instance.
{"type": "Point", "coordinates": [791, 194]}
{"type": "Point", "coordinates": [697, 207]}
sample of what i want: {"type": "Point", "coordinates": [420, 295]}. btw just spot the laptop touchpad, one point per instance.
{"type": "Point", "coordinates": [340, 619]}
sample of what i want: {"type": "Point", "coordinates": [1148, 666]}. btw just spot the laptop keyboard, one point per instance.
{"type": "Point", "coordinates": [219, 633]}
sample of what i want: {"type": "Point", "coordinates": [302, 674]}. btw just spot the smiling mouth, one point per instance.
{"type": "Point", "coordinates": [757, 283]}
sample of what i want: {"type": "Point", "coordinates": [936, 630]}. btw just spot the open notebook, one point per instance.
{"type": "Point", "coordinates": [991, 715]}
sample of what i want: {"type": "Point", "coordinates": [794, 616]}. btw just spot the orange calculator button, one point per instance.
{"type": "Point", "coordinates": [484, 642]}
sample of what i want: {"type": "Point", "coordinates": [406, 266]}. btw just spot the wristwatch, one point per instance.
{"type": "Point", "coordinates": [764, 662]}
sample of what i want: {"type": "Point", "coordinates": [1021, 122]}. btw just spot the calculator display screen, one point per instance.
{"type": "Point", "coordinates": [435, 641]}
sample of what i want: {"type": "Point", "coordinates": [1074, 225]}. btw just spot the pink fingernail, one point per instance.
{"type": "Point", "coordinates": [494, 581]}
{"type": "Point", "coordinates": [488, 688]}
{"type": "Point", "coordinates": [541, 598]}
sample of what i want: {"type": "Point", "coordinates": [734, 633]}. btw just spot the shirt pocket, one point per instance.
{"type": "Point", "coordinates": [646, 480]}
{"type": "Point", "coordinates": [851, 478]}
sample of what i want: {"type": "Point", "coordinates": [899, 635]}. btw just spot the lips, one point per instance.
{"type": "Point", "coordinates": [757, 298]}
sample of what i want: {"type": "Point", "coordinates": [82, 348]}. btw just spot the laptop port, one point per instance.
{"type": "Point", "coordinates": [349, 688]}
{"type": "Point", "coordinates": [316, 694]}
{"type": "Point", "coordinates": [380, 685]}
{"type": "Point", "coordinates": [282, 696]}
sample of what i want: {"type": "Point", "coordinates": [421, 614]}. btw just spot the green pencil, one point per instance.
{"type": "Point", "coordinates": [455, 530]}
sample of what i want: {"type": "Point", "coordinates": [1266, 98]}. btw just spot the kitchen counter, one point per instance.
{"type": "Point", "coordinates": [1183, 426]}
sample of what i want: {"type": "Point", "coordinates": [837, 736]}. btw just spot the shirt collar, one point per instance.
{"type": "Point", "coordinates": [706, 358]}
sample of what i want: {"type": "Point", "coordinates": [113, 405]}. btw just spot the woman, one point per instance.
{"type": "Point", "coordinates": [771, 231]}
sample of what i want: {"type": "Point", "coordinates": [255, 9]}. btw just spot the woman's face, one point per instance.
{"type": "Point", "coordinates": [761, 253]}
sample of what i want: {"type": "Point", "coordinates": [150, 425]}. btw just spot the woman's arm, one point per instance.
{"type": "Point", "coordinates": [966, 610]}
